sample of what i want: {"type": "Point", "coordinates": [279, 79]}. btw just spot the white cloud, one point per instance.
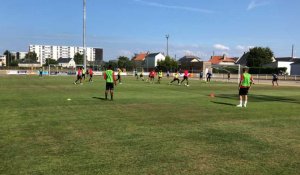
{"type": "Point", "coordinates": [243, 48]}
{"type": "Point", "coordinates": [254, 4]}
{"type": "Point", "coordinates": [221, 47]}
{"type": "Point", "coordinates": [154, 4]}
{"type": "Point", "coordinates": [239, 47]}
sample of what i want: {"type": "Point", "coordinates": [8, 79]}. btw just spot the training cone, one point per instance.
{"type": "Point", "coordinates": [212, 95]}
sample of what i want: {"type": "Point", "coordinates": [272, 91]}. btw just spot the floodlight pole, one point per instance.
{"type": "Point", "coordinates": [84, 34]}
{"type": "Point", "coordinates": [167, 36]}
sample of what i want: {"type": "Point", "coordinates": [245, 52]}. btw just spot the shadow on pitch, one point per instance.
{"type": "Point", "coordinates": [260, 98]}
{"type": "Point", "coordinates": [222, 103]}
{"type": "Point", "coordinates": [99, 98]}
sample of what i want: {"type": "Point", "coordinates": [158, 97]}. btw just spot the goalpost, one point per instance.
{"type": "Point", "coordinates": [55, 70]}
{"type": "Point", "coordinates": [235, 69]}
{"type": "Point", "coordinates": [52, 69]}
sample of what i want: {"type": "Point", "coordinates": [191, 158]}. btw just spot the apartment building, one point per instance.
{"type": "Point", "coordinates": [55, 52]}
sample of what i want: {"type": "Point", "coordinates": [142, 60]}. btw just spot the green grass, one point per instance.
{"type": "Point", "coordinates": [147, 129]}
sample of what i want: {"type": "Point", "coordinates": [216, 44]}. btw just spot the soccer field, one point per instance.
{"type": "Point", "coordinates": [147, 129]}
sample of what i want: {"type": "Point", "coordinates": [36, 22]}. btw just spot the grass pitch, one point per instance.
{"type": "Point", "coordinates": [147, 129]}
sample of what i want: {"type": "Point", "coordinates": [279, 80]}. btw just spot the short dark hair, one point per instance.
{"type": "Point", "coordinates": [109, 66]}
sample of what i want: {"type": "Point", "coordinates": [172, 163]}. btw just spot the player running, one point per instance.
{"type": "Point", "coordinates": [83, 74]}
{"type": "Point", "coordinates": [142, 75]}
{"type": "Point", "coordinates": [151, 76]}
{"type": "Point", "coordinates": [275, 79]}
{"type": "Point", "coordinates": [91, 74]}
{"type": "Point", "coordinates": [160, 75]}
{"type": "Point", "coordinates": [109, 77]}
{"type": "Point", "coordinates": [244, 86]}
{"type": "Point", "coordinates": [79, 76]}
{"type": "Point", "coordinates": [185, 77]}
{"type": "Point", "coordinates": [176, 77]}
{"type": "Point", "coordinates": [119, 76]}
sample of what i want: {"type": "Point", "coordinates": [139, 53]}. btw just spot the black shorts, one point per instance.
{"type": "Point", "coordinates": [185, 78]}
{"type": "Point", "coordinates": [275, 79]}
{"type": "Point", "coordinates": [243, 91]}
{"type": "Point", "coordinates": [109, 86]}
{"type": "Point", "coordinates": [175, 79]}
{"type": "Point", "coordinates": [91, 75]}
{"type": "Point", "coordinates": [79, 77]}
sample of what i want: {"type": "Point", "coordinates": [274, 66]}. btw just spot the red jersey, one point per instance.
{"type": "Point", "coordinates": [186, 73]}
{"type": "Point", "coordinates": [91, 71]}
{"type": "Point", "coordinates": [152, 73]}
{"type": "Point", "coordinates": [79, 72]}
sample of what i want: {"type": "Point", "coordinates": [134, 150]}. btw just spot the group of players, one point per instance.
{"type": "Point", "coordinates": [246, 81]}
{"type": "Point", "coordinates": [152, 73]}
{"type": "Point", "coordinates": [81, 75]}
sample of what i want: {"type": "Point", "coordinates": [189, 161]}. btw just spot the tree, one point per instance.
{"type": "Point", "coordinates": [259, 56]}
{"type": "Point", "coordinates": [78, 58]}
{"type": "Point", "coordinates": [50, 61]}
{"type": "Point", "coordinates": [167, 64]}
{"type": "Point", "coordinates": [31, 56]}
{"type": "Point", "coordinates": [114, 64]}
{"type": "Point", "coordinates": [9, 57]}
{"type": "Point", "coordinates": [124, 62]}
{"type": "Point", "coordinates": [14, 63]}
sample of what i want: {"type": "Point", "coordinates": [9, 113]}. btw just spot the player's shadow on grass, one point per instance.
{"type": "Point", "coordinates": [260, 98]}
{"type": "Point", "coordinates": [99, 98]}
{"type": "Point", "coordinates": [223, 103]}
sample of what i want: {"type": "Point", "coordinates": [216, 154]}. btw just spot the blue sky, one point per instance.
{"type": "Point", "coordinates": [125, 27]}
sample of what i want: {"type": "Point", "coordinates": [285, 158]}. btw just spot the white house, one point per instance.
{"type": "Point", "coordinates": [151, 60]}
{"type": "Point", "coordinates": [285, 62]}
{"type": "Point", "coordinates": [66, 62]}
{"type": "Point", "coordinates": [2, 60]}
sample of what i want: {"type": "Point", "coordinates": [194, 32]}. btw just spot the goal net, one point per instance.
{"type": "Point", "coordinates": [229, 73]}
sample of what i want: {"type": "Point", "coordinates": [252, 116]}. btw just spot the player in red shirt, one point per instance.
{"type": "Point", "coordinates": [186, 77]}
{"type": "Point", "coordinates": [91, 75]}
{"type": "Point", "coordinates": [79, 76]}
{"type": "Point", "coordinates": [152, 75]}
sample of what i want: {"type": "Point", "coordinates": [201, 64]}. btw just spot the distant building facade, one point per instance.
{"type": "Point", "coordinates": [295, 67]}
{"type": "Point", "coordinates": [191, 63]}
{"type": "Point", "coordinates": [2, 60]}
{"type": "Point", "coordinates": [55, 52]}
{"type": "Point", "coordinates": [152, 59]}
{"type": "Point", "coordinates": [19, 55]}
{"type": "Point", "coordinates": [223, 60]}
{"type": "Point", "coordinates": [139, 59]}
{"type": "Point", "coordinates": [66, 62]}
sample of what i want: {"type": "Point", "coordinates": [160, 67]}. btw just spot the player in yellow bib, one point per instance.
{"type": "Point", "coordinates": [244, 86]}
{"type": "Point", "coordinates": [110, 79]}
{"type": "Point", "coordinates": [119, 76]}
{"type": "Point", "coordinates": [160, 75]}
{"type": "Point", "coordinates": [176, 77]}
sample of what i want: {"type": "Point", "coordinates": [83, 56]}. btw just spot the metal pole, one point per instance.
{"type": "Point", "coordinates": [167, 36]}
{"type": "Point", "coordinates": [84, 34]}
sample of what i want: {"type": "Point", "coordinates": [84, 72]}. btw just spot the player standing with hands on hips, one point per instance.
{"type": "Point", "coordinates": [244, 86]}
{"type": "Point", "coordinates": [110, 79]}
